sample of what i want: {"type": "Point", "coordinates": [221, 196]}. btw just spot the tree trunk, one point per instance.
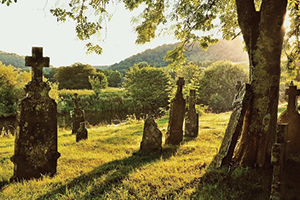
{"type": "Point", "coordinates": [263, 34]}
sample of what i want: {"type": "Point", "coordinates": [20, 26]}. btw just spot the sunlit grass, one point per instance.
{"type": "Point", "coordinates": [109, 166]}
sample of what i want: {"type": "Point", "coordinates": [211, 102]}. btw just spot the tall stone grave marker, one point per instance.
{"type": "Point", "coordinates": [35, 151]}
{"type": "Point", "coordinates": [235, 125]}
{"type": "Point", "coordinates": [77, 115]}
{"type": "Point", "coordinates": [192, 118]}
{"type": "Point", "coordinates": [152, 136]}
{"type": "Point", "coordinates": [292, 118]}
{"type": "Point", "coordinates": [174, 134]}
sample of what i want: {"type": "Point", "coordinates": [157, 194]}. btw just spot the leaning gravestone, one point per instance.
{"type": "Point", "coordinates": [192, 118]}
{"type": "Point", "coordinates": [152, 136]}
{"type": "Point", "coordinates": [77, 115]}
{"type": "Point", "coordinates": [35, 151]}
{"type": "Point", "coordinates": [234, 128]}
{"type": "Point", "coordinates": [292, 118]}
{"type": "Point", "coordinates": [174, 134]}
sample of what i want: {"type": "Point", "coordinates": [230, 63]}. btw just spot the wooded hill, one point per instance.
{"type": "Point", "coordinates": [223, 50]}
{"type": "Point", "coordinates": [12, 59]}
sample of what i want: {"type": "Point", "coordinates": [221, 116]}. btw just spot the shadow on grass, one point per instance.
{"type": "Point", "coordinates": [233, 182]}
{"type": "Point", "coordinates": [114, 172]}
{"type": "Point", "coordinates": [3, 183]}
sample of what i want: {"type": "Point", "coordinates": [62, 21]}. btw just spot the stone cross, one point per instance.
{"type": "Point", "coordinates": [37, 62]}
{"type": "Point", "coordinates": [180, 83]}
{"type": "Point", "coordinates": [292, 93]}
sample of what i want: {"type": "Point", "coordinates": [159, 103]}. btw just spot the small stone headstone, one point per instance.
{"type": "Point", "coordinates": [174, 134]}
{"type": "Point", "coordinates": [152, 136]}
{"type": "Point", "coordinates": [292, 118]}
{"type": "Point", "coordinates": [77, 115]}
{"type": "Point", "coordinates": [82, 133]}
{"type": "Point", "coordinates": [35, 151]}
{"type": "Point", "coordinates": [192, 118]}
{"type": "Point", "coordinates": [234, 127]}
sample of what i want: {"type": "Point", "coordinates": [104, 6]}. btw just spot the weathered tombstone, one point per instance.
{"type": "Point", "coordinates": [234, 128]}
{"type": "Point", "coordinates": [77, 114]}
{"type": "Point", "coordinates": [174, 134]}
{"type": "Point", "coordinates": [82, 133]}
{"type": "Point", "coordinates": [35, 151]}
{"type": "Point", "coordinates": [292, 117]}
{"type": "Point", "coordinates": [192, 118]}
{"type": "Point", "coordinates": [278, 158]}
{"type": "Point", "coordinates": [152, 136]}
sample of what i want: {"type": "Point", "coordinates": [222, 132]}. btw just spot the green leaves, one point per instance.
{"type": "Point", "coordinates": [8, 2]}
{"type": "Point", "coordinates": [148, 86]}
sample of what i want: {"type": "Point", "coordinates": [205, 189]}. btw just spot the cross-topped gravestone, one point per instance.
{"type": "Point", "coordinates": [292, 118]}
{"type": "Point", "coordinates": [174, 134]}
{"type": "Point", "coordinates": [292, 93]}
{"type": "Point", "coordinates": [35, 151]}
{"type": "Point", "coordinates": [37, 62]}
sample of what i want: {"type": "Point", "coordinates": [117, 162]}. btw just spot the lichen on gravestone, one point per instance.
{"type": "Point", "coordinates": [35, 153]}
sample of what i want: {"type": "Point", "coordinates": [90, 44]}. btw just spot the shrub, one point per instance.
{"type": "Point", "coordinates": [217, 85]}
{"type": "Point", "coordinates": [149, 87]}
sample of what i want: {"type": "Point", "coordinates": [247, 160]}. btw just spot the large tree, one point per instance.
{"type": "Point", "coordinates": [259, 21]}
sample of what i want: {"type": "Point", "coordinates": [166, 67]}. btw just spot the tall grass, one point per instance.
{"type": "Point", "coordinates": [109, 166]}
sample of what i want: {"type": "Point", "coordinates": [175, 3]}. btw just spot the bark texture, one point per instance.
{"type": "Point", "coordinates": [263, 34]}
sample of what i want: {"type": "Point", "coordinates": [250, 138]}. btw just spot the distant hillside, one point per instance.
{"type": "Point", "coordinates": [12, 59]}
{"type": "Point", "coordinates": [223, 50]}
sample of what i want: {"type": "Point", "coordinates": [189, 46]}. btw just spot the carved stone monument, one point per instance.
{"type": "Point", "coordinates": [35, 151]}
{"type": "Point", "coordinates": [234, 128]}
{"type": "Point", "coordinates": [82, 133]}
{"type": "Point", "coordinates": [152, 136]}
{"type": "Point", "coordinates": [77, 115]}
{"type": "Point", "coordinates": [174, 134]}
{"type": "Point", "coordinates": [192, 118]}
{"type": "Point", "coordinates": [292, 118]}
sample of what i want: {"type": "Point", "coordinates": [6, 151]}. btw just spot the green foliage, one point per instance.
{"type": "Point", "coordinates": [12, 82]}
{"type": "Point", "coordinates": [110, 99]}
{"type": "Point", "coordinates": [98, 82]}
{"type": "Point", "coordinates": [149, 87]}
{"type": "Point", "coordinates": [114, 78]}
{"type": "Point", "coordinates": [217, 85]}
{"type": "Point", "coordinates": [75, 76]}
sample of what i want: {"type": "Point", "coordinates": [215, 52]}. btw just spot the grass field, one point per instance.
{"type": "Point", "coordinates": [109, 166]}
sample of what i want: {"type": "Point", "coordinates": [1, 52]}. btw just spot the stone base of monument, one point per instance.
{"type": "Point", "coordinates": [82, 133]}
{"type": "Point", "coordinates": [26, 170]}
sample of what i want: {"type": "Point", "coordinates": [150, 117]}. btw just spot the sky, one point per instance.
{"type": "Point", "coordinates": [29, 23]}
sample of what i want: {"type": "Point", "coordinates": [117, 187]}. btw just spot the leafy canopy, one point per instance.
{"type": "Point", "coordinates": [189, 20]}
{"type": "Point", "coordinates": [148, 86]}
